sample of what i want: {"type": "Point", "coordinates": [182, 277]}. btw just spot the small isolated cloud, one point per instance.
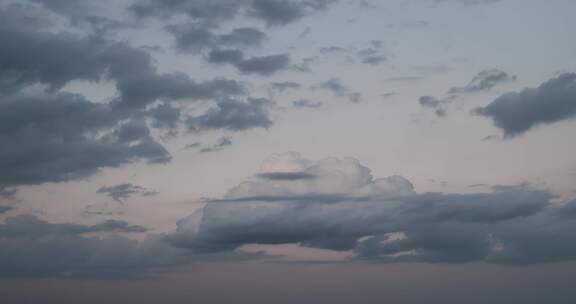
{"type": "Point", "coordinates": [306, 103]}
{"type": "Point", "coordinates": [222, 142]}
{"type": "Point", "coordinates": [261, 65]}
{"type": "Point", "coordinates": [284, 86]}
{"type": "Point", "coordinates": [193, 38]}
{"type": "Point", "coordinates": [122, 192]}
{"type": "Point", "coordinates": [287, 176]}
{"type": "Point", "coordinates": [516, 113]}
{"type": "Point", "coordinates": [484, 81]}
{"type": "Point", "coordinates": [339, 89]}
{"type": "Point", "coordinates": [234, 115]}
{"type": "Point", "coordinates": [434, 103]}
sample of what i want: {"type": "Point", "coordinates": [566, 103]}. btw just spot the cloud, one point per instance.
{"type": "Point", "coordinates": [287, 176]}
{"type": "Point", "coordinates": [371, 56]}
{"type": "Point", "coordinates": [336, 86]}
{"type": "Point", "coordinates": [216, 12]}
{"type": "Point", "coordinates": [262, 65]}
{"type": "Point", "coordinates": [345, 208]}
{"type": "Point", "coordinates": [194, 38]}
{"type": "Point", "coordinates": [284, 86]}
{"type": "Point", "coordinates": [55, 137]}
{"type": "Point", "coordinates": [122, 192]}
{"type": "Point", "coordinates": [8, 193]}
{"type": "Point", "coordinates": [31, 226]}
{"type": "Point", "coordinates": [282, 12]}
{"type": "Point", "coordinates": [5, 209]}
{"type": "Point", "coordinates": [484, 81]}
{"type": "Point", "coordinates": [223, 142]}
{"type": "Point", "coordinates": [305, 103]}
{"type": "Point", "coordinates": [434, 103]}
{"type": "Point", "coordinates": [516, 113]}
{"type": "Point", "coordinates": [234, 115]}
{"type": "Point", "coordinates": [32, 247]}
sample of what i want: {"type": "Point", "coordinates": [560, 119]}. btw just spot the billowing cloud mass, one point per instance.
{"type": "Point", "coordinates": [517, 112]}
{"type": "Point", "coordinates": [51, 135]}
{"type": "Point", "coordinates": [122, 192]}
{"type": "Point", "coordinates": [337, 204]}
{"type": "Point", "coordinates": [334, 204]}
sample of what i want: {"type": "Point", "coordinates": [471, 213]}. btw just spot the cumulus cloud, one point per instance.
{"type": "Point", "coordinates": [384, 219]}
{"type": "Point", "coordinates": [122, 192]}
{"type": "Point", "coordinates": [516, 113]}
{"type": "Point", "coordinates": [262, 65]}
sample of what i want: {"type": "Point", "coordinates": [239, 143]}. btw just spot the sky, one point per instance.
{"type": "Point", "coordinates": [313, 151]}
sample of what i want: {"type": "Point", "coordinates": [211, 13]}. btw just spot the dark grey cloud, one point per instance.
{"type": "Point", "coordinates": [434, 103]}
{"type": "Point", "coordinates": [284, 86]}
{"type": "Point", "coordinates": [31, 226]}
{"type": "Point", "coordinates": [332, 50]}
{"type": "Point", "coordinates": [32, 247]}
{"type": "Point", "coordinates": [8, 193]}
{"type": "Point", "coordinates": [55, 137]}
{"type": "Point", "coordinates": [288, 176]}
{"type": "Point", "coordinates": [216, 12]}
{"type": "Point", "coordinates": [484, 81]}
{"type": "Point", "coordinates": [195, 38]}
{"type": "Point", "coordinates": [234, 115]}
{"type": "Point", "coordinates": [339, 89]}
{"type": "Point", "coordinates": [467, 2]}
{"type": "Point", "coordinates": [222, 142]}
{"type": "Point", "coordinates": [262, 65]}
{"type": "Point", "coordinates": [305, 103]}
{"type": "Point", "coordinates": [165, 116]}
{"type": "Point", "coordinates": [32, 56]}
{"type": "Point", "coordinates": [282, 12]}
{"type": "Point", "coordinates": [5, 209]}
{"type": "Point", "coordinates": [517, 112]}
{"type": "Point", "coordinates": [122, 192]}
{"type": "Point", "coordinates": [371, 56]}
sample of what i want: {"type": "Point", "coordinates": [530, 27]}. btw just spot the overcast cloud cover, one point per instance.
{"type": "Point", "coordinates": [143, 142]}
